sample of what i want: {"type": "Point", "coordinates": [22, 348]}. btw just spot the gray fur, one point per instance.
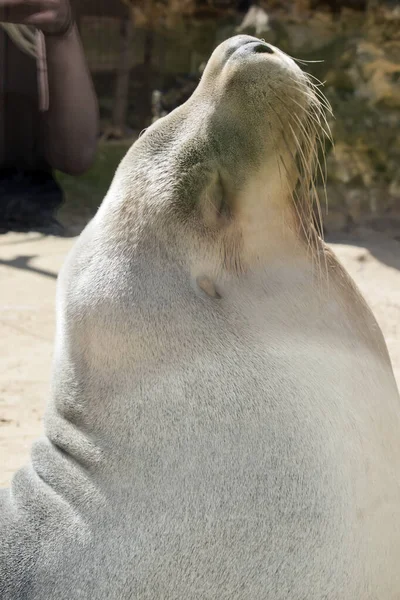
{"type": "Point", "coordinates": [242, 445]}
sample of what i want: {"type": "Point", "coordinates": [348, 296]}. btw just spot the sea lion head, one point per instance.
{"type": "Point", "coordinates": [229, 172]}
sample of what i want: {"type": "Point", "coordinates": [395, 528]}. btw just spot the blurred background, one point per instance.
{"type": "Point", "coordinates": [145, 58]}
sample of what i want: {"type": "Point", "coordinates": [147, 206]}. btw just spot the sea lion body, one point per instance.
{"type": "Point", "coordinates": [224, 420]}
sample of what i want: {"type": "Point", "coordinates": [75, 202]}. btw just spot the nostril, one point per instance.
{"type": "Point", "coordinates": [263, 48]}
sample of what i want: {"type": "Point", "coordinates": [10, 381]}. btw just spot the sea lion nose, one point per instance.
{"type": "Point", "coordinates": [255, 46]}
{"type": "Point", "coordinates": [246, 44]}
{"type": "Point", "coordinates": [262, 47]}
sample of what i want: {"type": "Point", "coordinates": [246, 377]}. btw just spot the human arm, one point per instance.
{"type": "Point", "coordinates": [71, 122]}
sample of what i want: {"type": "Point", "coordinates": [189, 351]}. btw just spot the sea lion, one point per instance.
{"type": "Point", "coordinates": [224, 421]}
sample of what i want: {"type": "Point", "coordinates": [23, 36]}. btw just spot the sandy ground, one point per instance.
{"type": "Point", "coordinates": [28, 269]}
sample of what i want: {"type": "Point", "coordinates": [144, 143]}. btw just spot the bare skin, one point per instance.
{"type": "Point", "coordinates": [71, 123]}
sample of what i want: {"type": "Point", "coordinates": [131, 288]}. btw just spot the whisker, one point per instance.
{"type": "Point", "coordinates": [309, 129]}
{"type": "Point", "coordinates": [309, 90]}
{"type": "Point", "coordinates": [302, 60]}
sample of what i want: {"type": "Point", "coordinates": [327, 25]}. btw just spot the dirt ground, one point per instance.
{"type": "Point", "coordinates": [28, 269]}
